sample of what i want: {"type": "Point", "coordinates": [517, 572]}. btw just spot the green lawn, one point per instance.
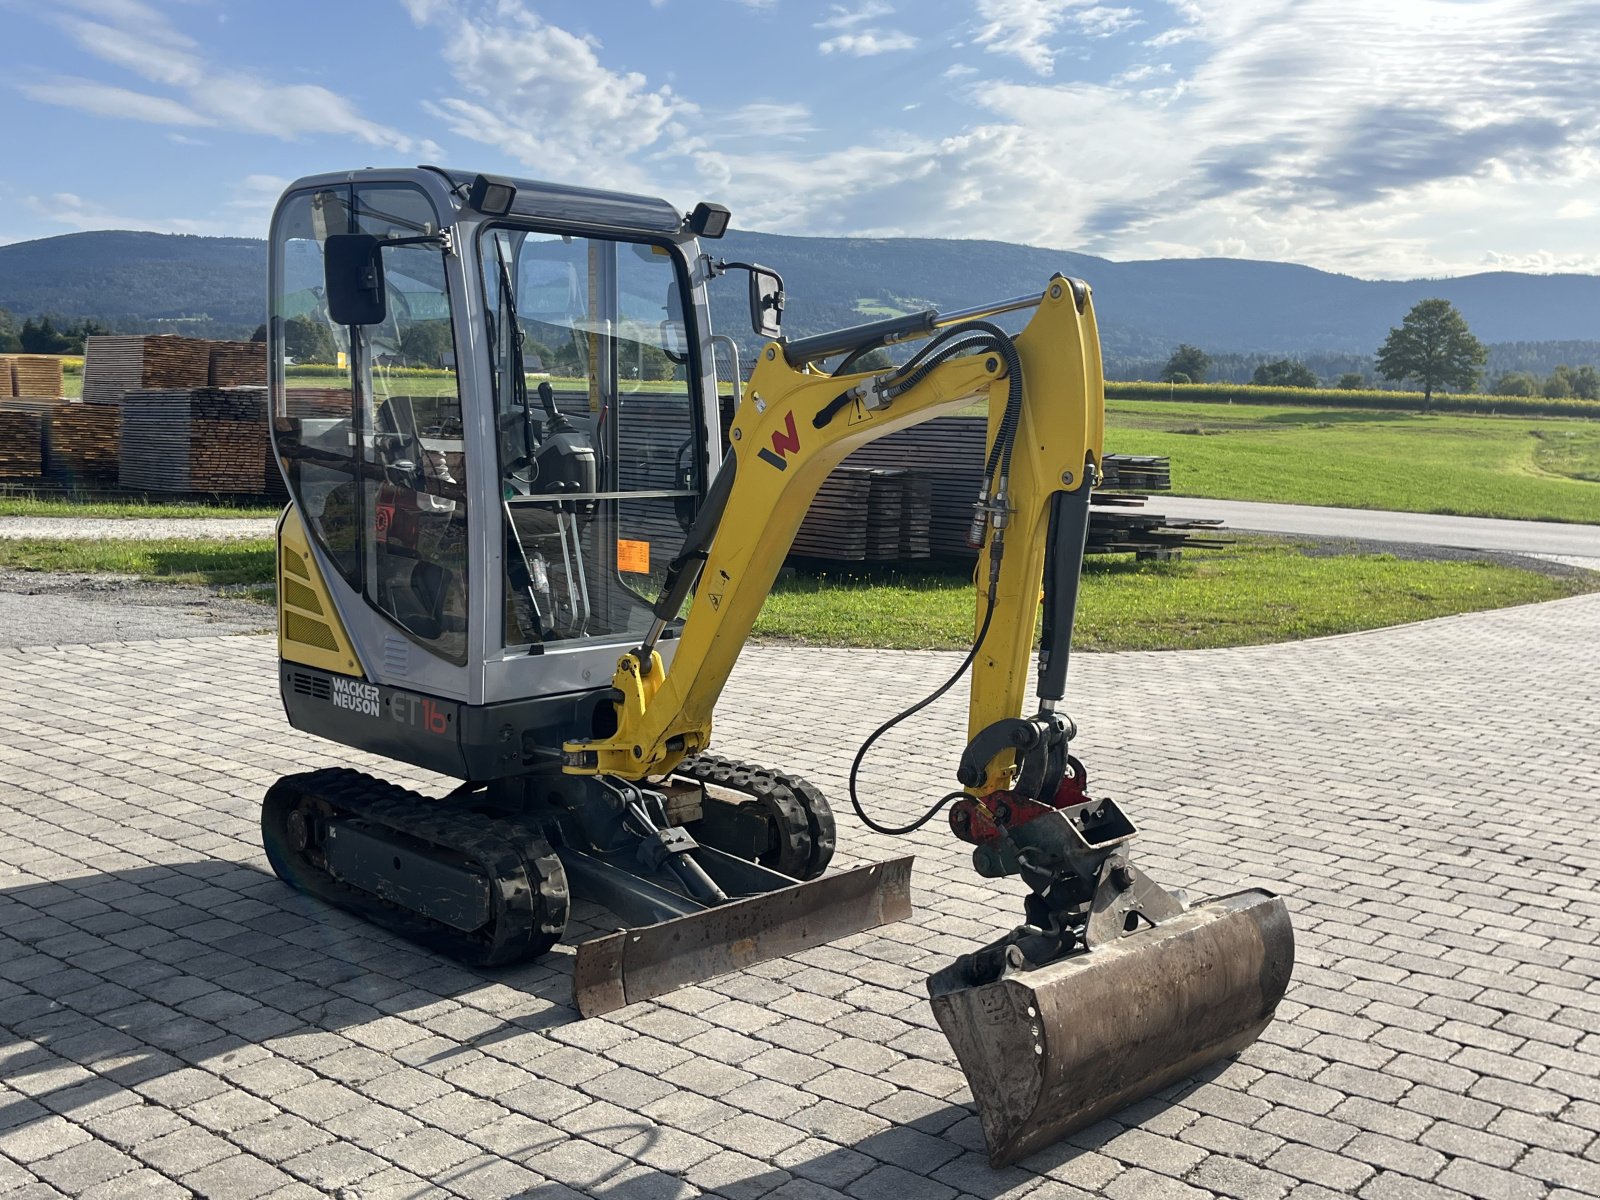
{"type": "Point", "coordinates": [1256, 591]}
{"type": "Point", "coordinates": [169, 560]}
{"type": "Point", "coordinates": [1535, 468]}
{"type": "Point", "coordinates": [26, 503]}
{"type": "Point", "coordinates": [1253, 592]}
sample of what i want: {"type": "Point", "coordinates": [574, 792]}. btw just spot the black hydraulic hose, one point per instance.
{"type": "Point", "coordinates": [966, 663]}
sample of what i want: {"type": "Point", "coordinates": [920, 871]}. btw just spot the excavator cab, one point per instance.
{"type": "Point", "coordinates": [495, 406]}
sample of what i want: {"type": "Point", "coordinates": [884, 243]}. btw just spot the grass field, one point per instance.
{"type": "Point", "coordinates": [1254, 592]}
{"type": "Point", "coordinates": [23, 502]}
{"type": "Point", "coordinates": [1534, 468]}
{"type": "Point", "coordinates": [170, 560]}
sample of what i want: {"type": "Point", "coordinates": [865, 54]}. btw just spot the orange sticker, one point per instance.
{"type": "Point", "coordinates": [633, 557]}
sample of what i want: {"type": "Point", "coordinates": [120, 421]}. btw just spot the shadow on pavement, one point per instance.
{"type": "Point", "coordinates": [131, 979]}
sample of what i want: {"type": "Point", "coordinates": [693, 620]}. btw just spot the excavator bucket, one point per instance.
{"type": "Point", "coordinates": [1051, 1050]}
{"type": "Point", "coordinates": [636, 964]}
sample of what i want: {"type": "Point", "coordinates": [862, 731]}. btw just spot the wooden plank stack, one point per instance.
{"type": "Point", "coordinates": [8, 379]}
{"type": "Point", "coordinates": [38, 376]}
{"type": "Point", "coordinates": [237, 364]}
{"type": "Point", "coordinates": [195, 440]}
{"type": "Point", "coordinates": [867, 514]}
{"type": "Point", "coordinates": [21, 441]}
{"type": "Point", "coordinates": [82, 445]}
{"type": "Point", "coordinates": [116, 364]}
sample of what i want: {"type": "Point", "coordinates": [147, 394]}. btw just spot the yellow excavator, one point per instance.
{"type": "Point", "coordinates": [532, 568]}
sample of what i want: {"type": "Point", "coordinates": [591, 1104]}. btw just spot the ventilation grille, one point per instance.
{"type": "Point", "coordinates": [301, 596]}
{"type": "Point", "coordinates": [315, 686]}
{"type": "Point", "coordinates": [294, 564]}
{"type": "Point", "coordinates": [396, 654]}
{"type": "Point", "coordinates": [308, 632]}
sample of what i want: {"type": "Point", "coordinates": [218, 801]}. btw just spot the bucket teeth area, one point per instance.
{"type": "Point", "coordinates": [1052, 1050]}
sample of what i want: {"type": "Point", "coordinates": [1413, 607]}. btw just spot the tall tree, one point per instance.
{"type": "Point", "coordinates": [1187, 362]}
{"type": "Point", "coordinates": [1284, 372]}
{"type": "Point", "coordinates": [308, 341]}
{"type": "Point", "coordinates": [1433, 346]}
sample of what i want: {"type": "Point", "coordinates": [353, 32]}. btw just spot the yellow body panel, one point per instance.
{"type": "Point", "coordinates": [309, 629]}
{"type": "Point", "coordinates": [1061, 431]}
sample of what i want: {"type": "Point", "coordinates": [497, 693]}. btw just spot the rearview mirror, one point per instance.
{"type": "Point", "coordinates": [766, 302]}
{"type": "Point", "coordinates": [352, 271]}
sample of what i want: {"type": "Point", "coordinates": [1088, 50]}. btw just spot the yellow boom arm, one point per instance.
{"type": "Point", "coordinates": [793, 428]}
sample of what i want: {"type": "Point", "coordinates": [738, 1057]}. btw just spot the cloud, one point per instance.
{"type": "Point", "coordinates": [73, 211]}
{"type": "Point", "coordinates": [103, 100]}
{"type": "Point", "coordinates": [541, 94]}
{"type": "Point", "coordinates": [841, 17]}
{"type": "Point", "coordinates": [1022, 29]}
{"type": "Point", "coordinates": [135, 37]}
{"type": "Point", "coordinates": [868, 43]}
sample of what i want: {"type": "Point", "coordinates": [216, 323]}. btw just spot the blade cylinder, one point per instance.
{"type": "Point", "coordinates": [1052, 1050]}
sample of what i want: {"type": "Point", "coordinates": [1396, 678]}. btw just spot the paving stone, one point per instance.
{"type": "Point", "coordinates": [1443, 1010]}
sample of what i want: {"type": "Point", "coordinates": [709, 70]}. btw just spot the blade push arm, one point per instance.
{"type": "Point", "coordinates": [794, 427]}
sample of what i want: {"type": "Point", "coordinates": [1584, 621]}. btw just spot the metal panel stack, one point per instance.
{"type": "Point", "coordinates": [116, 364]}
{"type": "Point", "coordinates": [195, 440]}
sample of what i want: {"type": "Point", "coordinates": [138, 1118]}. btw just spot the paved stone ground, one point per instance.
{"type": "Point", "coordinates": [173, 1020]}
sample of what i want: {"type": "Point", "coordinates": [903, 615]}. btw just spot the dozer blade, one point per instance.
{"type": "Point", "coordinates": [1051, 1050]}
{"type": "Point", "coordinates": [636, 964]}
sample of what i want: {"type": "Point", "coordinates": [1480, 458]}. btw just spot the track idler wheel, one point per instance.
{"type": "Point", "coordinates": [800, 828]}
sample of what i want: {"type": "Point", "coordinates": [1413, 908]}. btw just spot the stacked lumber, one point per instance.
{"type": "Point", "coordinates": [1136, 473]}
{"type": "Point", "coordinates": [195, 440]}
{"type": "Point", "coordinates": [867, 514]}
{"type": "Point", "coordinates": [116, 364]}
{"type": "Point", "coordinates": [8, 382]}
{"type": "Point", "coordinates": [82, 444]}
{"type": "Point", "coordinates": [317, 402]}
{"type": "Point", "coordinates": [21, 441]}
{"type": "Point", "coordinates": [237, 364]}
{"type": "Point", "coordinates": [37, 375]}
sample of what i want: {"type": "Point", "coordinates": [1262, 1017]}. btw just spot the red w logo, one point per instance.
{"type": "Point", "coordinates": [784, 441]}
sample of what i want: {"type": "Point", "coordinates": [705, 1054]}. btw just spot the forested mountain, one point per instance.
{"type": "Point", "coordinates": [216, 286]}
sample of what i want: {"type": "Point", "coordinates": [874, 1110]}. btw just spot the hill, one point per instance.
{"type": "Point", "coordinates": [199, 284]}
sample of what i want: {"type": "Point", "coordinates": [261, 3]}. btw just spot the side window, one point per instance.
{"type": "Point", "coordinates": [381, 481]}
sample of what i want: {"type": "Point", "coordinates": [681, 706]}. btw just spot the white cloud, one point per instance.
{"type": "Point", "coordinates": [868, 42]}
{"type": "Point", "coordinates": [841, 17]}
{"type": "Point", "coordinates": [137, 38]}
{"type": "Point", "coordinates": [1022, 29]}
{"type": "Point", "coordinates": [103, 100]}
{"type": "Point", "coordinates": [73, 211]}
{"type": "Point", "coordinates": [542, 95]}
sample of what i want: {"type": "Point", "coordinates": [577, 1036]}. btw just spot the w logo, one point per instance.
{"type": "Point", "coordinates": [784, 441]}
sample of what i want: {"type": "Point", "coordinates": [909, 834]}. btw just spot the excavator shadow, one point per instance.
{"type": "Point", "coordinates": [134, 979]}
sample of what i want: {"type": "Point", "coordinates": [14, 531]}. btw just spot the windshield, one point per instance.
{"type": "Point", "coordinates": [597, 426]}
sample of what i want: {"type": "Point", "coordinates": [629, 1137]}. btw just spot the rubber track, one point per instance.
{"type": "Point", "coordinates": [517, 861]}
{"type": "Point", "coordinates": [800, 812]}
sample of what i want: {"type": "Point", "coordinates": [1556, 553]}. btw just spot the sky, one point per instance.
{"type": "Point", "coordinates": [1377, 138]}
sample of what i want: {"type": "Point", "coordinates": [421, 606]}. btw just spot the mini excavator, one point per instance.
{"type": "Point", "coordinates": [532, 568]}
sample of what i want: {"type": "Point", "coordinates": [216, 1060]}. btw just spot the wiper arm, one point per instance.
{"type": "Point", "coordinates": [519, 375]}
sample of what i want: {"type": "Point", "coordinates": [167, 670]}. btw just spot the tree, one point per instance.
{"type": "Point", "coordinates": [9, 342]}
{"type": "Point", "coordinates": [1586, 383]}
{"type": "Point", "coordinates": [1352, 381]}
{"type": "Point", "coordinates": [42, 337]}
{"type": "Point", "coordinates": [305, 340]}
{"type": "Point", "coordinates": [1516, 383]}
{"type": "Point", "coordinates": [1559, 385]}
{"type": "Point", "coordinates": [427, 342]}
{"type": "Point", "coordinates": [260, 335]}
{"type": "Point", "coordinates": [1189, 362]}
{"type": "Point", "coordinates": [1285, 372]}
{"type": "Point", "coordinates": [1433, 346]}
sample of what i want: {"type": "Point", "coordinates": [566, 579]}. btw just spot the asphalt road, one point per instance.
{"type": "Point", "coordinates": [1543, 538]}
